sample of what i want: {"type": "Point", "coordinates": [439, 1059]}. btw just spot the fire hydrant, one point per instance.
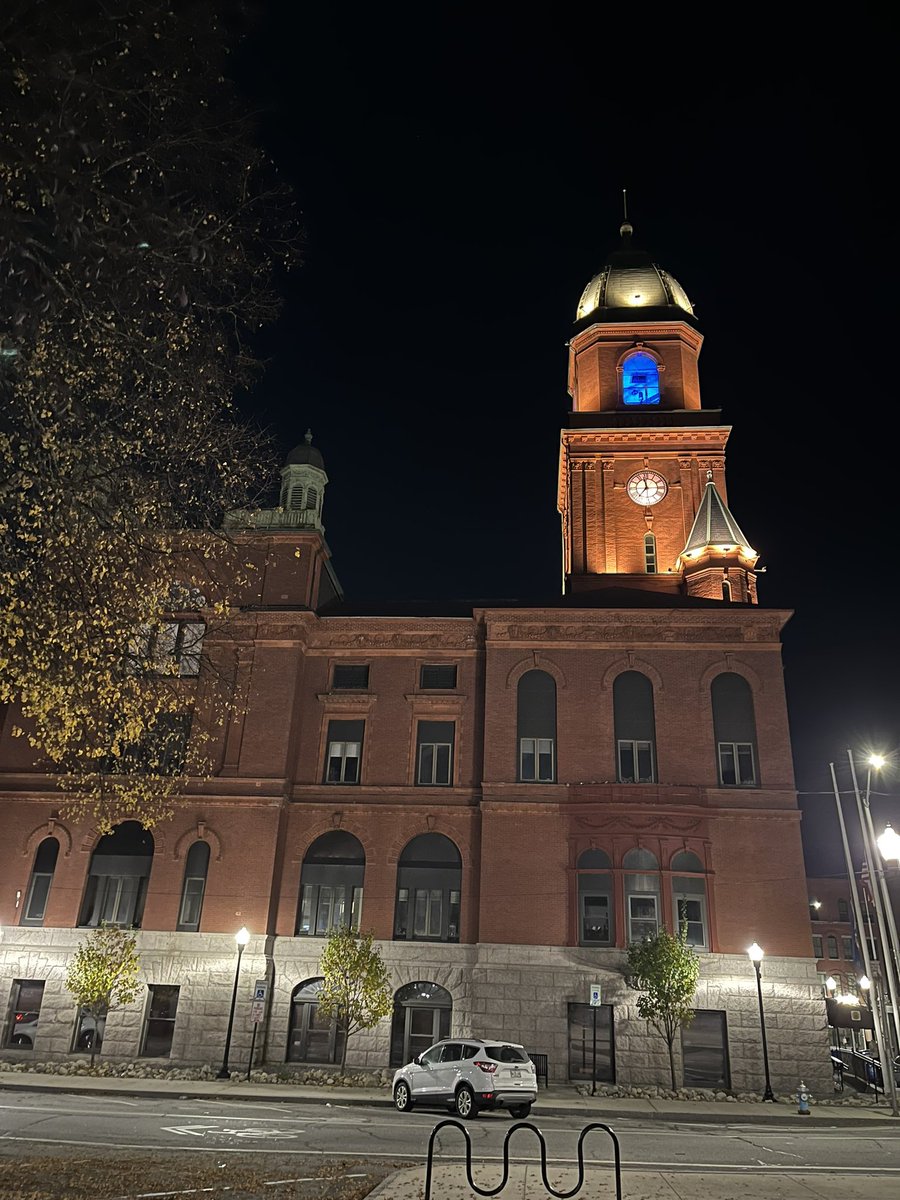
{"type": "Point", "coordinates": [803, 1099]}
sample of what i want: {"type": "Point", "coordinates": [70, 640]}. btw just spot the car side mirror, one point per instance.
{"type": "Point", "coordinates": [418, 1060]}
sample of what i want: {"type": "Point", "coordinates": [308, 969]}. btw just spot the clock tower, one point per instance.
{"type": "Point", "coordinates": [642, 491]}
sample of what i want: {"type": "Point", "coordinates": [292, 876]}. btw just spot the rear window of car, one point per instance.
{"type": "Point", "coordinates": [506, 1054]}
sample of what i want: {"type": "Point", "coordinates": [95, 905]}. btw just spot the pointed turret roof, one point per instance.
{"type": "Point", "coordinates": [714, 526]}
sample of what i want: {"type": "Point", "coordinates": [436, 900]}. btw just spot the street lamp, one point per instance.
{"type": "Point", "coordinates": [889, 843]}
{"type": "Point", "coordinates": [882, 1034]}
{"type": "Point", "coordinates": [755, 953]}
{"type": "Point", "coordinates": [242, 937]}
{"type": "Point", "coordinates": [831, 984]}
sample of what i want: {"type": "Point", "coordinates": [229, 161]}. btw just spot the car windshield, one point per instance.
{"type": "Point", "coordinates": [506, 1054]}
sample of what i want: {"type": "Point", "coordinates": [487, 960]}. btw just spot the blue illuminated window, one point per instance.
{"type": "Point", "coordinates": [640, 380]}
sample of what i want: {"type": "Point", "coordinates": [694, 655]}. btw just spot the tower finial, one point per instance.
{"type": "Point", "coordinates": [625, 229]}
{"type": "Point", "coordinates": [709, 475]}
{"type": "Point", "coordinates": [307, 437]}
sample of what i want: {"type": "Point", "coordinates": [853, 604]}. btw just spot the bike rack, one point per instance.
{"type": "Point", "coordinates": [617, 1161]}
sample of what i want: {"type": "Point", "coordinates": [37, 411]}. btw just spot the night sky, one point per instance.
{"type": "Point", "coordinates": [460, 175]}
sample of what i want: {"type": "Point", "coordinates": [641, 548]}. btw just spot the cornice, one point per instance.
{"type": "Point", "coordinates": [347, 701]}
{"type": "Point", "coordinates": [675, 436]}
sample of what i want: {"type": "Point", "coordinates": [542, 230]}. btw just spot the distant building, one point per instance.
{"type": "Point", "coordinates": [505, 794]}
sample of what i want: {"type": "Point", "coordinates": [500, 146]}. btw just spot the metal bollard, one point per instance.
{"type": "Point", "coordinates": [803, 1099]}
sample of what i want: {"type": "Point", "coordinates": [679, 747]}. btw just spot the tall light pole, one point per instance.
{"type": "Point", "coordinates": [890, 953]}
{"type": "Point", "coordinates": [863, 940]}
{"type": "Point", "coordinates": [242, 937]}
{"type": "Point", "coordinates": [755, 953]}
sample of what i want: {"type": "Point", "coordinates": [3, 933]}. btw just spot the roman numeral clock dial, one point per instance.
{"type": "Point", "coordinates": [646, 487]}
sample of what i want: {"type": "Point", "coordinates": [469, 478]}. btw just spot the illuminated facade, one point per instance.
{"type": "Point", "coordinates": [506, 795]}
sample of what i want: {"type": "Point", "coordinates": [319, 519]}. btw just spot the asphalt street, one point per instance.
{"type": "Point", "coordinates": [323, 1131]}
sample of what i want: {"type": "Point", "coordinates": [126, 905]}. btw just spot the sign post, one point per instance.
{"type": "Point", "coordinates": [257, 1014]}
{"type": "Point", "coordinates": [596, 1001]}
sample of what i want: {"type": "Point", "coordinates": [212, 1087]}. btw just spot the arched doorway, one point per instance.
{"type": "Point", "coordinates": [311, 1038]}
{"type": "Point", "coordinates": [422, 1013]}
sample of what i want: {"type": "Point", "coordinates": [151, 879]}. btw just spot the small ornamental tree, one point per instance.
{"type": "Point", "coordinates": [356, 989]}
{"type": "Point", "coordinates": [665, 970]}
{"type": "Point", "coordinates": [102, 975]}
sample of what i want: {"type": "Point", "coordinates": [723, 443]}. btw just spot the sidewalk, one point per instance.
{"type": "Point", "coordinates": [557, 1100]}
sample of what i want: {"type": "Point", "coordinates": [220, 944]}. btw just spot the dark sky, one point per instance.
{"type": "Point", "coordinates": [460, 170]}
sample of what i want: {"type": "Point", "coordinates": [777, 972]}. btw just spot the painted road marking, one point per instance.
{"type": "Point", "coordinates": [203, 1130]}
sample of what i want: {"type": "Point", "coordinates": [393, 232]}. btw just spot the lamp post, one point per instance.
{"type": "Point", "coordinates": [861, 928]}
{"type": "Point", "coordinates": [242, 937]}
{"type": "Point", "coordinates": [755, 953]}
{"type": "Point", "coordinates": [887, 929]}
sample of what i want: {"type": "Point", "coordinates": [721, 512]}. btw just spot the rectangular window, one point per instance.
{"type": "Point", "coordinates": [843, 911]}
{"type": "Point", "coordinates": [356, 899]}
{"type": "Point", "coordinates": [847, 948]}
{"type": "Point", "coordinates": [159, 1023]}
{"type": "Point", "coordinates": [635, 762]}
{"type": "Point", "coordinates": [594, 919]}
{"type": "Point", "coordinates": [704, 1048]}
{"type": "Point", "coordinates": [434, 753]}
{"type": "Point", "coordinates": [831, 943]}
{"type": "Point", "coordinates": [582, 1042]}
{"type": "Point", "coordinates": [817, 946]}
{"type": "Point", "coordinates": [344, 751]}
{"type": "Point", "coordinates": [453, 921]}
{"type": "Point", "coordinates": [536, 760]}
{"type": "Point", "coordinates": [691, 917]}
{"type": "Point", "coordinates": [427, 913]}
{"type": "Point", "coordinates": [643, 921]}
{"type": "Point", "coordinates": [736, 764]}
{"type": "Point", "coordinates": [191, 903]}
{"type": "Point", "coordinates": [27, 997]}
{"type": "Point", "coordinates": [350, 677]}
{"type": "Point", "coordinates": [437, 677]}
{"type": "Point", "coordinates": [169, 648]}
{"type": "Point", "coordinates": [401, 914]}
{"type": "Point", "coordinates": [36, 904]}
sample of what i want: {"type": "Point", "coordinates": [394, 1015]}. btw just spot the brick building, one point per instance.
{"type": "Point", "coordinates": [505, 794]}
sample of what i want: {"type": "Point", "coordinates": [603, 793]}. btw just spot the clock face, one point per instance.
{"type": "Point", "coordinates": [647, 487]}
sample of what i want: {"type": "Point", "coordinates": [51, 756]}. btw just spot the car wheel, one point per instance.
{"type": "Point", "coordinates": [519, 1112]}
{"type": "Point", "coordinates": [465, 1103]}
{"type": "Point", "coordinates": [402, 1098]}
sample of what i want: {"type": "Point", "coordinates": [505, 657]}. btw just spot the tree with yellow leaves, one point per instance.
{"type": "Point", "coordinates": [141, 231]}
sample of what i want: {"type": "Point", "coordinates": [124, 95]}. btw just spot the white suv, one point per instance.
{"type": "Point", "coordinates": [469, 1074]}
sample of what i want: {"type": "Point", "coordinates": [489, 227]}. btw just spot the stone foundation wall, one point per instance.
{"type": "Point", "coordinates": [519, 993]}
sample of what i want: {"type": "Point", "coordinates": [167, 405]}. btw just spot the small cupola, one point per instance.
{"type": "Point", "coordinates": [303, 482]}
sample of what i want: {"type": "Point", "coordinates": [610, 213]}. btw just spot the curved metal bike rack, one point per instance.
{"type": "Point", "coordinates": [617, 1161]}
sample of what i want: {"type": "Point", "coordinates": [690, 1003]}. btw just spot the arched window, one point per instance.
{"type": "Point", "coordinates": [641, 895]}
{"type": "Point", "coordinates": [650, 554]}
{"type": "Point", "coordinates": [640, 379]}
{"type": "Point", "coordinates": [536, 727]}
{"type": "Point", "coordinates": [193, 887]}
{"type": "Point", "coordinates": [596, 923]}
{"type": "Point", "coordinates": [689, 898]}
{"type": "Point", "coordinates": [735, 730]}
{"type": "Point", "coordinates": [39, 884]}
{"type": "Point", "coordinates": [331, 884]}
{"type": "Point", "coordinates": [118, 877]}
{"type": "Point", "coordinates": [429, 880]}
{"type": "Point", "coordinates": [312, 1038]}
{"type": "Point", "coordinates": [422, 1014]}
{"type": "Point", "coordinates": [635, 727]}
{"type": "Point", "coordinates": [312, 497]}
{"type": "Point", "coordinates": [295, 496]}
{"type": "Point", "coordinates": [726, 590]}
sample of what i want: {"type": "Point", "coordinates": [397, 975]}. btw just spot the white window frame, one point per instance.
{"type": "Point", "coordinates": [187, 895]}
{"type": "Point", "coordinates": [641, 896]}
{"type": "Point", "coordinates": [734, 749]}
{"type": "Point", "coordinates": [537, 749]}
{"type": "Point", "coordinates": [635, 752]}
{"type": "Point", "coordinates": [687, 897]}
{"type": "Point", "coordinates": [434, 747]}
{"type": "Point", "coordinates": [343, 752]}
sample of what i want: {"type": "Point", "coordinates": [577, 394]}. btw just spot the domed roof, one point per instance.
{"type": "Point", "coordinates": [306, 452]}
{"type": "Point", "coordinates": [631, 280]}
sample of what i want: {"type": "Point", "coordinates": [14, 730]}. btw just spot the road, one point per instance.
{"type": "Point", "coordinates": [316, 1131]}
